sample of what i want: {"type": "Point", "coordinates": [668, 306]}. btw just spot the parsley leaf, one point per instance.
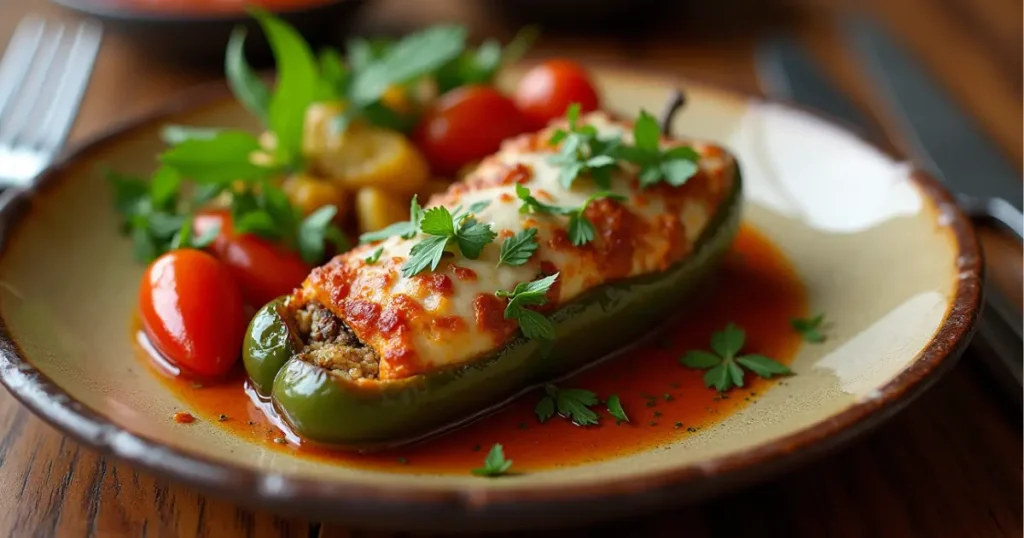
{"type": "Point", "coordinates": [810, 328]}
{"type": "Point", "coordinates": [176, 134]}
{"type": "Point", "coordinates": [533, 324]}
{"type": "Point", "coordinates": [221, 159]}
{"type": "Point", "coordinates": [582, 152]}
{"type": "Point", "coordinates": [372, 258]}
{"type": "Point", "coordinates": [297, 82]}
{"type": "Point", "coordinates": [573, 404]}
{"type": "Point", "coordinates": [495, 463]}
{"type": "Point", "coordinates": [405, 230]}
{"type": "Point", "coordinates": [530, 203]}
{"type": "Point", "coordinates": [674, 166]}
{"type": "Point", "coordinates": [480, 66]}
{"type": "Point", "coordinates": [470, 235]}
{"type": "Point", "coordinates": [426, 253]}
{"type": "Point", "coordinates": [724, 367]}
{"type": "Point", "coordinates": [518, 249]}
{"type": "Point", "coordinates": [245, 83]}
{"type": "Point", "coordinates": [616, 410]}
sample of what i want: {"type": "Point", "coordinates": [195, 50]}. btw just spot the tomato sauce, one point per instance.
{"type": "Point", "coordinates": [757, 289]}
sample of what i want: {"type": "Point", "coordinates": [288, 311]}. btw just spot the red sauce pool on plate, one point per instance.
{"type": "Point", "coordinates": [757, 289]}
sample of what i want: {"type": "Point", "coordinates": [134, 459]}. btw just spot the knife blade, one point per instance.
{"type": "Point", "coordinates": [946, 141]}
{"type": "Point", "coordinates": [785, 70]}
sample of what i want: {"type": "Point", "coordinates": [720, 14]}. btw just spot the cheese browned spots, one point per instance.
{"type": "Point", "coordinates": [451, 316]}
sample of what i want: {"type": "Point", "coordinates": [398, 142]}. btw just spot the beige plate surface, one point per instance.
{"type": "Point", "coordinates": [879, 247]}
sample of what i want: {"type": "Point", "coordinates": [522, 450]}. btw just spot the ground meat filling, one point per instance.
{"type": "Point", "coordinates": [329, 343]}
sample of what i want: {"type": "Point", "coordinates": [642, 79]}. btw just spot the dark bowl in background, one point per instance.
{"type": "Point", "coordinates": [200, 38]}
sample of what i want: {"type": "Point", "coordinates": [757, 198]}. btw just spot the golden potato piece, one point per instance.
{"type": "Point", "coordinates": [362, 155]}
{"type": "Point", "coordinates": [376, 209]}
{"type": "Point", "coordinates": [310, 193]}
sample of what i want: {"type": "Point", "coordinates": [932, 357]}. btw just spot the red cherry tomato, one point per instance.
{"type": "Point", "coordinates": [263, 269]}
{"type": "Point", "coordinates": [466, 124]}
{"type": "Point", "coordinates": [546, 91]}
{"type": "Point", "coordinates": [192, 312]}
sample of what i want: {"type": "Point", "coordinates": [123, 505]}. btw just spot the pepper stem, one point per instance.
{"type": "Point", "coordinates": [675, 103]}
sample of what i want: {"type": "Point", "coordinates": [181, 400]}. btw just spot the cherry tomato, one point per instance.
{"type": "Point", "coordinates": [263, 269]}
{"type": "Point", "coordinates": [546, 91]}
{"type": "Point", "coordinates": [466, 124]}
{"type": "Point", "coordinates": [192, 311]}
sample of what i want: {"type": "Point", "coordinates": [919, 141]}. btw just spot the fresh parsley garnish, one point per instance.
{"type": "Point", "coordinates": [582, 152]}
{"type": "Point", "coordinates": [495, 463]}
{"type": "Point", "coordinates": [316, 230]}
{"type": "Point", "coordinates": [533, 324]}
{"type": "Point", "coordinates": [222, 158]}
{"type": "Point", "coordinates": [405, 229]}
{"type": "Point", "coordinates": [616, 410]}
{"type": "Point", "coordinates": [518, 249]}
{"type": "Point", "coordinates": [674, 166]}
{"type": "Point", "coordinates": [581, 230]}
{"type": "Point", "coordinates": [470, 235]}
{"type": "Point", "coordinates": [243, 80]}
{"type": "Point", "coordinates": [373, 257]}
{"type": "Point", "coordinates": [724, 367]}
{"type": "Point", "coordinates": [810, 328]}
{"type": "Point", "coordinates": [573, 404]}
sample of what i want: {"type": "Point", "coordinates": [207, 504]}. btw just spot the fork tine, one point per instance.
{"type": "Point", "coordinates": [33, 88]}
{"type": "Point", "coordinates": [69, 92]}
{"type": "Point", "coordinates": [18, 59]}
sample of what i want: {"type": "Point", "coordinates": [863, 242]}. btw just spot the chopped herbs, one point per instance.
{"type": "Point", "coordinates": [724, 367]}
{"type": "Point", "coordinates": [533, 324]}
{"type": "Point", "coordinates": [518, 249]}
{"type": "Point", "coordinates": [810, 328]}
{"type": "Point", "coordinates": [615, 409]}
{"type": "Point", "coordinates": [674, 166]}
{"type": "Point", "coordinates": [667, 397]}
{"type": "Point", "coordinates": [465, 231]}
{"type": "Point", "coordinates": [581, 230]}
{"type": "Point", "coordinates": [372, 258]}
{"type": "Point", "coordinates": [495, 463]}
{"type": "Point", "coordinates": [573, 404]}
{"type": "Point", "coordinates": [582, 152]}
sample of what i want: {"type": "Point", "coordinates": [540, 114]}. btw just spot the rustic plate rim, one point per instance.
{"type": "Point", "coordinates": [338, 499]}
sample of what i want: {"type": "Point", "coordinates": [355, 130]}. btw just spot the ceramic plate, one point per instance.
{"type": "Point", "coordinates": [878, 246]}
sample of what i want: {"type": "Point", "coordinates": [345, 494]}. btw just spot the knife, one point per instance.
{"type": "Point", "coordinates": [945, 140]}
{"type": "Point", "coordinates": [785, 70]}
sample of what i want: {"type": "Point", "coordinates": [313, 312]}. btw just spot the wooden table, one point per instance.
{"type": "Point", "coordinates": [950, 465]}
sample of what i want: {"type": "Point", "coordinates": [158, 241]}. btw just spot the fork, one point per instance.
{"type": "Point", "coordinates": [43, 76]}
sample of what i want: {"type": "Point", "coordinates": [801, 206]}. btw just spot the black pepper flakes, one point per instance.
{"type": "Point", "coordinates": [691, 429]}
{"type": "Point", "coordinates": [675, 385]}
{"type": "Point", "coordinates": [252, 422]}
{"type": "Point", "coordinates": [222, 417]}
{"type": "Point", "coordinates": [678, 425]}
{"type": "Point", "coordinates": [667, 397]}
{"type": "Point", "coordinates": [476, 448]}
{"type": "Point", "coordinates": [652, 403]}
{"type": "Point", "coordinates": [657, 414]}
{"type": "Point", "coordinates": [403, 461]}
{"type": "Point", "coordinates": [522, 425]}
{"type": "Point", "coordinates": [654, 423]}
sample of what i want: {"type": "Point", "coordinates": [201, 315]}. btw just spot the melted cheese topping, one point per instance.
{"type": "Point", "coordinates": [451, 316]}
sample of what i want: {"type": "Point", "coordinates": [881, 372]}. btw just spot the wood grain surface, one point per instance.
{"type": "Point", "coordinates": [949, 465]}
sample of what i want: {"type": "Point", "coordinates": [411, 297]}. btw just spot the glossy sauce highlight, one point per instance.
{"type": "Point", "coordinates": [756, 288]}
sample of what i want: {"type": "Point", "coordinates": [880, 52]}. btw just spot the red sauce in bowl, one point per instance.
{"type": "Point", "coordinates": [757, 289]}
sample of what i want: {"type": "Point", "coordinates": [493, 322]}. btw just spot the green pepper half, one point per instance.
{"type": "Point", "coordinates": [332, 409]}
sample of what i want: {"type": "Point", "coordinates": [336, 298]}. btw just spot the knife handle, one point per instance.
{"type": "Point", "coordinates": [997, 210]}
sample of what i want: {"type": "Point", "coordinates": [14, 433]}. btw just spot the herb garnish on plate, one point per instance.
{"type": "Point", "coordinates": [724, 367]}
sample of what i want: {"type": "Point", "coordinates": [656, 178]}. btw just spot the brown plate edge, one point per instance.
{"type": "Point", "coordinates": [481, 508]}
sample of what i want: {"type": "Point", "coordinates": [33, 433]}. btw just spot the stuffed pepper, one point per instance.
{"type": "Point", "coordinates": [562, 247]}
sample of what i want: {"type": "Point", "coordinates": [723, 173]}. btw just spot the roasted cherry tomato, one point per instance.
{"type": "Point", "coordinates": [192, 312]}
{"type": "Point", "coordinates": [262, 268]}
{"type": "Point", "coordinates": [546, 91]}
{"type": "Point", "coordinates": [466, 124]}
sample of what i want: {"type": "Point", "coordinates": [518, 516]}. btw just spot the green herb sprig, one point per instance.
{"type": "Point", "coordinates": [583, 152]}
{"type": "Point", "coordinates": [470, 235]}
{"type": "Point", "coordinates": [810, 328]}
{"type": "Point", "coordinates": [518, 249]}
{"type": "Point", "coordinates": [573, 404]}
{"type": "Point", "coordinates": [615, 409]}
{"type": "Point", "coordinates": [495, 463]}
{"type": "Point", "coordinates": [674, 166]}
{"type": "Point", "coordinates": [534, 325]}
{"type": "Point", "coordinates": [724, 367]}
